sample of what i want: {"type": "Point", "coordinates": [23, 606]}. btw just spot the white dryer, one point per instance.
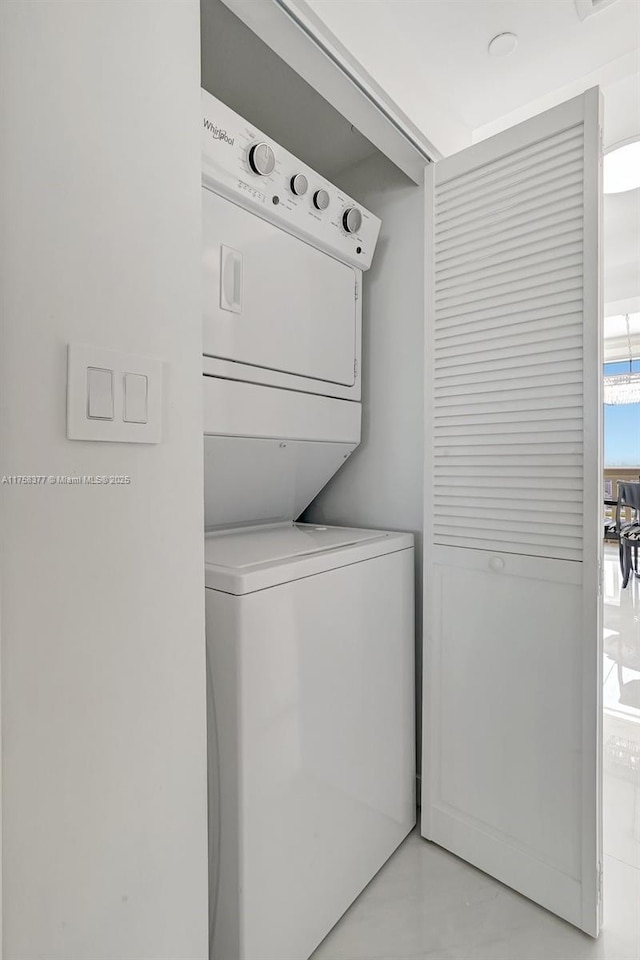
{"type": "Point", "coordinates": [310, 692]}
{"type": "Point", "coordinates": [283, 255]}
{"type": "Point", "coordinates": [310, 633]}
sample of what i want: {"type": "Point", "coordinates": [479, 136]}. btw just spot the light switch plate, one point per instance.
{"type": "Point", "coordinates": [82, 357]}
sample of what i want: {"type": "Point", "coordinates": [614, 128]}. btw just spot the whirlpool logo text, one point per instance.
{"type": "Point", "coordinates": [217, 133]}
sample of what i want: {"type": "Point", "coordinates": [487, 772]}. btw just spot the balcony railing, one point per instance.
{"type": "Point", "coordinates": [611, 477]}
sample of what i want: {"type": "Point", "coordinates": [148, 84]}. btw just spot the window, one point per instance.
{"type": "Point", "coordinates": [622, 425]}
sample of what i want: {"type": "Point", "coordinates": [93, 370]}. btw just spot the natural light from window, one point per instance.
{"type": "Point", "coordinates": [622, 424]}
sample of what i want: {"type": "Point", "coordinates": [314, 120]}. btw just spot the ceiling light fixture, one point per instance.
{"type": "Point", "coordinates": [622, 388]}
{"type": "Point", "coordinates": [622, 166]}
{"type": "Point", "coordinates": [503, 44]}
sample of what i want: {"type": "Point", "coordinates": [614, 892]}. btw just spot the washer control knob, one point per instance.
{"type": "Point", "coordinates": [352, 219]}
{"type": "Point", "coordinates": [321, 199]}
{"type": "Point", "coordinates": [299, 185]}
{"type": "Point", "coordinates": [262, 159]}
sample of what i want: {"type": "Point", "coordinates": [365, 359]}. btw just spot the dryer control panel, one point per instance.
{"type": "Point", "coordinates": [244, 165]}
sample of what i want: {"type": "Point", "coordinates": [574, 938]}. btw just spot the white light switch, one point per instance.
{"type": "Point", "coordinates": [99, 393]}
{"type": "Point", "coordinates": [113, 396]}
{"type": "Point", "coordinates": [135, 398]}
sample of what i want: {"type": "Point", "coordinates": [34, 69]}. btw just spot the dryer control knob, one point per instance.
{"type": "Point", "coordinates": [262, 159]}
{"type": "Point", "coordinates": [352, 219]}
{"type": "Point", "coordinates": [321, 199]}
{"type": "Point", "coordinates": [299, 185]}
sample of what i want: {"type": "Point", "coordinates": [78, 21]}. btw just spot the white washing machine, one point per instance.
{"type": "Point", "coordinates": [311, 679]}
{"type": "Point", "coordinates": [310, 633]}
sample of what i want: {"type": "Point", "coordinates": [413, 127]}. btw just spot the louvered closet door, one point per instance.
{"type": "Point", "coordinates": [512, 701]}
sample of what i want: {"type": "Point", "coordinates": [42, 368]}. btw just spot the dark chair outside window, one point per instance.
{"type": "Point", "coordinates": [628, 528]}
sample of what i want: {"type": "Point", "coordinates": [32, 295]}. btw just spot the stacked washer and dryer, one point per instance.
{"type": "Point", "coordinates": [310, 629]}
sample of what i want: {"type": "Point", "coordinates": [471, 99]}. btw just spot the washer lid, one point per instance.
{"type": "Point", "coordinates": [243, 561]}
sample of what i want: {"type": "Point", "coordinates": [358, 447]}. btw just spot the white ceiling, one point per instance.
{"type": "Point", "coordinates": [617, 326]}
{"type": "Point", "coordinates": [431, 57]}
{"type": "Point", "coordinates": [618, 343]}
{"type": "Point", "coordinates": [434, 52]}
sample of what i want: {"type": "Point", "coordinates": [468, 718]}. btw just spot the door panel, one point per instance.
{"type": "Point", "coordinates": [512, 624]}
{"type": "Point", "coordinates": [272, 301]}
{"type": "Point", "coordinates": [506, 766]}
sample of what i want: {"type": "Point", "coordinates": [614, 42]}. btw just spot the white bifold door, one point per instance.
{"type": "Point", "coordinates": [512, 696]}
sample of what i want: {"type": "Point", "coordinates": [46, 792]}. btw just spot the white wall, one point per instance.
{"type": "Point", "coordinates": [103, 680]}
{"type": "Point", "coordinates": [381, 483]}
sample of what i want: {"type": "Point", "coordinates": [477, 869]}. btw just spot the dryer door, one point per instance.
{"type": "Point", "coordinates": [272, 301]}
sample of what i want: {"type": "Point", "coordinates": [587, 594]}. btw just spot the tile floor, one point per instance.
{"type": "Point", "coordinates": [426, 904]}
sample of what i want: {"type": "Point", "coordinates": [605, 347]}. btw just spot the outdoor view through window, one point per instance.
{"type": "Point", "coordinates": [621, 424]}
